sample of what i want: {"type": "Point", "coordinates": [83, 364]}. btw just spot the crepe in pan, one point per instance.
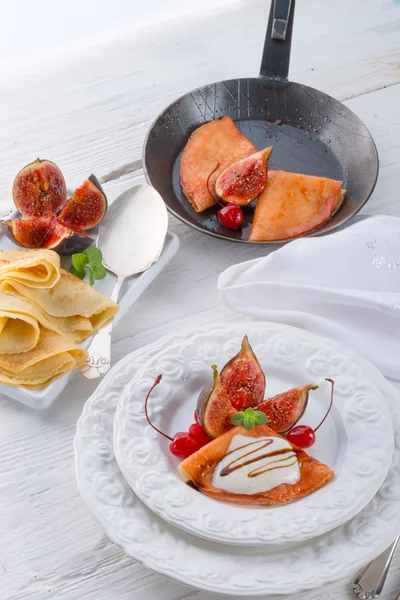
{"type": "Point", "coordinates": [218, 141]}
{"type": "Point", "coordinates": [53, 356]}
{"type": "Point", "coordinates": [33, 268]}
{"type": "Point", "coordinates": [293, 204]}
{"type": "Point", "coordinates": [199, 470]}
{"type": "Point", "coordinates": [72, 306]}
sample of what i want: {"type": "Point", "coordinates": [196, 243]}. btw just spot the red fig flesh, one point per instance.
{"type": "Point", "coordinates": [214, 409]}
{"type": "Point", "coordinates": [284, 410]}
{"type": "Point", "coordinates": [86, 208]}
{"type": "Point", "coordinates": [28, 233]}
{"type": "Point", "coordinates": [39, 189]}
{"type": "Point", "coordinates": [45, 233]}
{"type": "Point", "coordinates": [244, 180]}
{"type": "Point", "coordinates": [243, 378]}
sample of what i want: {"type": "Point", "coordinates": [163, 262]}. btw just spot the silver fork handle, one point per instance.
{"type": "Point", "coordinates": [370, 581]}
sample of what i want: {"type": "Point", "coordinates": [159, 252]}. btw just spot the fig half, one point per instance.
{"type": "Point", "coordinates": [28, 233]}
{"type": "Point", "coordinates": [46, 233]}
{"type": "Point", "coordinates": [284, 410]}
{"type": "Point", "coordinates": [214, 409]}
{"type": "Point", "coordinates": [86, 208]}
{"type": "Point", "coordinates": [66, 241]}
{"type": "Point", "coordinates": [39, 189]}
{"type": "Point", "coordinates": [244, 180]}
{"type": "Point", "coordinates": [243, 378]}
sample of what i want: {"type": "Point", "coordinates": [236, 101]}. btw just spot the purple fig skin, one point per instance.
{"type": "Point", "coordinates": [202, 401]}
{"type": "Point", "coordinates": [72, 244]}
{"type": "Point", "coordinates": [8, 232]}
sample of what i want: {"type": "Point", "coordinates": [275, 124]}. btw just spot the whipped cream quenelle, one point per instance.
{"type": "Point", "coordinates": [256, 464]}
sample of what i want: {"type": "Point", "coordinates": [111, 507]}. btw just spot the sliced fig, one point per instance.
{"type": "Point", "coordinates": [86, 208]}
{"type": "Point", "coordinates": [66, 241]}
{"type": "Point", "coordinates": [284, 410]}
{"type": "Point", "coordinates": [28, 233]}
{"type": "Point", "coordinates": [214, 409]}
{"type": "Point", "coordinates": [243, 378]}
{"type": "Point", "coordinates": [39, 189]}
{"type": "Point", "coordinates": [244, 180]}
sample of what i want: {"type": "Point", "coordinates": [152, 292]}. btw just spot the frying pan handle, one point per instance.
{"type": "Point", "coordinates": [276, 53]}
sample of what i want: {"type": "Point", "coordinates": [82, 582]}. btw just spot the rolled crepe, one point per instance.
{"type": "Point", "coordinates": [72, 306]}
{"type": "Point", "coordinates": [53, 356]}
{"type": "Point", "coordinates": [37, 269]}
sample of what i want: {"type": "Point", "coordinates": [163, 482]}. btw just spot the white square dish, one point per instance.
{"type": "Point", "coordinates": [132, 288]}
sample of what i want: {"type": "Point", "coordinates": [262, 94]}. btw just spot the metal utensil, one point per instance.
{"type": "Point", "coordinates": [371, 579]}
{"type": "Point", "coordinates": [310, 131]}
{"type": "Point", "coordinates": [131, 238]}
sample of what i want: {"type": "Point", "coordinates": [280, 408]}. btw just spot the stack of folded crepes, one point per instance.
{"type": "Point", "coordinates": [44, 312]}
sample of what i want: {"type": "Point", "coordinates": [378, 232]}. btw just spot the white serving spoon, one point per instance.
{"type": "Point", "coordinates": [131, 238]}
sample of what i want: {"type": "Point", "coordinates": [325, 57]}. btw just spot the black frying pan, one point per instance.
{"type": "Point", "coordinates": [310, 132]}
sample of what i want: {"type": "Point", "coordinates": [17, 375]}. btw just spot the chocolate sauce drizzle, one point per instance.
{"type": "Point", "coordinates": [262, 469]}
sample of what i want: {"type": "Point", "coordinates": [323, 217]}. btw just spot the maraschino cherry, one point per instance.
{"type": "Point", "coordinates": [229, 215]}
{"type": "Point", "coordinates": [303, 436]}
{"type": "Point", "coordinates": [183, 444]}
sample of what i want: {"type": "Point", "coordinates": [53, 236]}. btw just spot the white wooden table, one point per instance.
{"type": "Point", "coordinates": [89, 113]}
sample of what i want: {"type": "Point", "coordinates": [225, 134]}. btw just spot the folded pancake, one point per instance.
{"type": "Point", "coordinates": [33, 268]}
{"type": "Point", "coordinates": [293, 204]}
{"type": "Point", "coordinates": [72, 306]}
{"type": "Point", "coordinates": [20, 324]}
{"type": "Point", "coordinates": [265, 455]}
{"type": "Point", "coordinates": [218, 141]}
{"type": "Point", "coordinates": [54, 355]}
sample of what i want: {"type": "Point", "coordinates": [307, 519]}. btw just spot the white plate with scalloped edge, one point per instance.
{"type": "Point", "coordinates": [356, 440]}
{"type": "Point", "coordinates": [251, 572]}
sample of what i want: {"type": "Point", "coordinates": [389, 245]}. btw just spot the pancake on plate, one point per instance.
{"type": "Point", "coordinates": [53, 356]}
{"type": "Point", "coordinates": [254, 467]}
{"type": "Point", "coordinates": [218, 141]}
{"type": "Point", "coordinates": [293, 204]}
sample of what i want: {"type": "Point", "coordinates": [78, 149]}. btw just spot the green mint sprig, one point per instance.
{"type": "Point", "coordinates": [89, 262]}
{"type": "Point", "coordinates": [249, 418]}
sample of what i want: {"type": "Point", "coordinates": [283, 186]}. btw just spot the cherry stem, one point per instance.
{"type": "Point", "coordinates": [156, 382]}
{"type": "Point", "coordinates": [208, 185]}
{"type": "Point", "coordinates": [330, 404]}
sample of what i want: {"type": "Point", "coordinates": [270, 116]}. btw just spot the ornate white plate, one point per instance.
{"type": "Point", "coordinates": [214, 567]}
{"type": "Point", "coordinates": [356, 440]}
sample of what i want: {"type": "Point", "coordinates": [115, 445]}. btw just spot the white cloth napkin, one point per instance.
{"type": "Point", "coordinates": [345, 286]}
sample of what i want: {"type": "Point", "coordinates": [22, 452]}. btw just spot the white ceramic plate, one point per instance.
{"type": "Point", "coordinates": [356, 440]}
{"type": "Point", "coordinates": [132, 288]}
{"type": "Point", "coordinates": [215, 567]}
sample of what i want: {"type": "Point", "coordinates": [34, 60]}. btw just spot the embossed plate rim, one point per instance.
{"type": "Point", "coordinates": [153, 477]}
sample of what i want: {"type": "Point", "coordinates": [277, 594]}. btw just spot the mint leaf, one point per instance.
{"type": "Point", "coordinates": [94, 257]}
{"type": "Point", "coordinates": [79, 261]}
{"type": "Point", "coordinates": [260, 418]}
{"type": "Point", "coordinates": [237, 419]}
{"type": "Point", "coordinates": [99, 272]}
{"type": "Point", "coordinates": [74, 271]}
{"type": "Point", "coordinates": [89, 262]}
{"type": "Point", "coordinates": [249, 418]}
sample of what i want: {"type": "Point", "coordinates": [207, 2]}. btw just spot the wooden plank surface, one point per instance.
{"type": "Point", "coordinates": [89, 114]}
